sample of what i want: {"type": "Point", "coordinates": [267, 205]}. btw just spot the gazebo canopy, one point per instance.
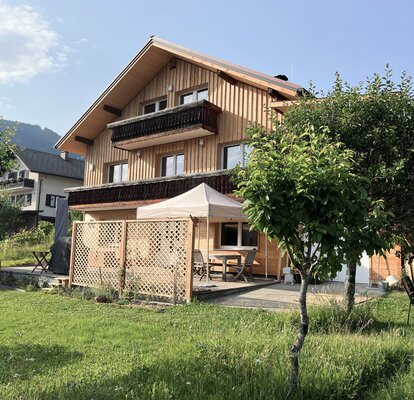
{"type": "Point", "coordinates": [201, 202]}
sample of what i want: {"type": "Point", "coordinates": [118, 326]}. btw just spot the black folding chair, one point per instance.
{"type": "Point", "coordinates": [409, 288]}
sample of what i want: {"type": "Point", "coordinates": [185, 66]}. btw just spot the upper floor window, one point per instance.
{"type": "Point", "coordinates": [13, 175]}
{"type": "Point", "coordinates": [195, 95]}
{"type": "Point", "coordinates": [235, 154]}
{"type": "Point", "coordinates": [154, 106]}
{"type": "Point", "coordinates": [51, 200]}
{"type": "Point", "coordinates": [172, 165]}
{"type": "Point", "coordinates": [118, 173]}
{"type": "Point", "coordinates": [237, 234]}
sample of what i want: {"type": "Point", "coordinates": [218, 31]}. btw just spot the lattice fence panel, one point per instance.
{"type": "Point", "coordinates": [156, 257]}
{"type": "Point", "coordinates": [97, 254]}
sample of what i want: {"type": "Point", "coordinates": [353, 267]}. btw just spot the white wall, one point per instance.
{"type": "Point", "coordinates": [53, 185]}
{"type": "Point", "coordinates": [362, 275]}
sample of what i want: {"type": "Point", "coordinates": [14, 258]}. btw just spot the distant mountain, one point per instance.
{"type": "Point", "coordinates": [34, 137]}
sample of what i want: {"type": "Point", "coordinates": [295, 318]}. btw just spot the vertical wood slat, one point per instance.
{"type": "Point", "coordinates": [190, 259]}
{"type": "Point", "coordinates": [72, 253]}
{"type": "Point", "coordinates": [122, 255]}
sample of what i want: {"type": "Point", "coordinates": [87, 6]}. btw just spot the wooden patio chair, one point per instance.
{"type": "Point", "coordinates": [246, 268]}
{"type": "Point", "coordinates": [41, 260]}
{"type": "Point", "coordinates": [199, 266]}
{"type": "Point", "coordinates": [409, 288]}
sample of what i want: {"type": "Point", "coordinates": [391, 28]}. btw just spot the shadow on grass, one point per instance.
{"type": "Point", "coordinates": [223, 375]}
{"type": "Point", "coordinates": [21, 362]}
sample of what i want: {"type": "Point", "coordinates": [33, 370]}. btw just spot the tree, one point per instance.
{"type": "Point", "coordinates": [375, 119]}
{"type": "Point", "coordinates": [6, 148]}
{"type": "Point", "coordinates": [9, 215]}
{"type": "Point", "coordinates": [301, 191]}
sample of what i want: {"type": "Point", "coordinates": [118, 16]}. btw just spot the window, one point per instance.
{"type": "Point", "coordinates": [51, 200]}
{"type": "Point", "coordinates": [236, 235]}
{"type": "Point", "coordinates": [23, 174]}
{"type": "Point", "coordinates": [27, 200]}
{"type": "Point", "coordinates": [172, 165]}
{"type": "Point", "coordinates": [154, 106]}
{"type": "Point", "coordinates": [118, 173]}
{"type": "Point", "coordinates": [196, 95]}
{"type": "Point", "coordinates": [13, 175]}
{"type": "Point", "coordinates": [235, 154]}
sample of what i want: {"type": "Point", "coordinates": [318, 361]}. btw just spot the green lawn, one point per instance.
{"type": "Point", "coordinates": [55, 347]}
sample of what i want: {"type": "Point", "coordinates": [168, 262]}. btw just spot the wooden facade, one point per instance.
{"type": "Point", "coordinates": [240, 97]}
{"type": "Point", "coordinates": [241, 105]}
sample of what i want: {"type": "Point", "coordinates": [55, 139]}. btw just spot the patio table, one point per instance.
{"type": "Point", "coordinates": [225, 258]}
{"type": "Point", "coordinates": [42, 261]}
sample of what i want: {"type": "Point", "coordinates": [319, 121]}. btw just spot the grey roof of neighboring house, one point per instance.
{"type": "Point", "coordinates": [52, 164]}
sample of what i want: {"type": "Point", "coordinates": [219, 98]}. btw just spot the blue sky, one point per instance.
{"type": "Point", "coordinates": [57, 56]}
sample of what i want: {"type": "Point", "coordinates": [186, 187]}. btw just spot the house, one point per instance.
{"type": "Point", "coordinates": [38, 179]}
{"type": "Point", "coordinates": [172, 119]}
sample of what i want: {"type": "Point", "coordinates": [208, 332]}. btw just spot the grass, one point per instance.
{"type": "Point", "coordinates": [13, 254]}
{"type": "Point", "coordinates": [63, 348]}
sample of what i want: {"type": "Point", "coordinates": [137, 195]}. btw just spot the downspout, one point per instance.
{"type": "Point", "coordinates": [38, 199]}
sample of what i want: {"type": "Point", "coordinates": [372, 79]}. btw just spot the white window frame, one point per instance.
{"type": "Point", "coordinates": [157, 105]}
{"type": "Point", "coordinates": [174, 163]}
{"type": "Point", "coordinates": [121, 164]}
{"type": "Point", "coordinates": [239, 238]}
{"type": "Point", "coordinates": [243, 158]}
{"type": "Point", "coordinates": [194, 93]}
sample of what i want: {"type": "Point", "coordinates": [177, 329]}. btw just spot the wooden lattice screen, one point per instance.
{"type": "Point", "coordinates": [151, 258]}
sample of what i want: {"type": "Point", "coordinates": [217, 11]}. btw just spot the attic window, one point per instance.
{"type": "Point", "coordinates": [154, 106]}
{"type": "Point", "coordinates": [196, 95]}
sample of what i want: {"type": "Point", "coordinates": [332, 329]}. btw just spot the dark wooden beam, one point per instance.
{"type": "Point", "coordinates": [276, 95]}
{"type": "Point", "coordinates": [112, 110]}
{"type": "Point", "coordinates": [173, 63]}
{"type": "Point", "coordinates": [226, 77]}
{"type": "Point", "coordinates": [83, 140]}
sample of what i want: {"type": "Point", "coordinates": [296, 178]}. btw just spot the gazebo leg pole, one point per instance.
{"type": "Point", "coordinates": [208, 249]}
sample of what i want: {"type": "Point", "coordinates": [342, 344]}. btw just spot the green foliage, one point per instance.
{"type": "Point", "coordinates": [300, 189]}
{"type": "Point", "coordinates": [375, 119]}
{"type": "Point", "coordinates": [17, 249]}
{"type": "Point", "coordinates": [140, 353]}
{"type": "Point", "coordinates": [9, 215]}
{"type": "Point", "coordinates": [6, 147]}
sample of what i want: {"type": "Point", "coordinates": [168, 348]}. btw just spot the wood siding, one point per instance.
{"type": "Point", "coordinates": [241, 104]}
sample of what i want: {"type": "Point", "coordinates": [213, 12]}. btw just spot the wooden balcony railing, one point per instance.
{"type": "Point", "coordinates": [152, 189]}
{"type": "Point", "coordinates": [199, 115]}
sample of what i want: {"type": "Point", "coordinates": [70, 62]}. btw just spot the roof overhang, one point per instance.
{"type": "Point", "coordinates": [141, 70]}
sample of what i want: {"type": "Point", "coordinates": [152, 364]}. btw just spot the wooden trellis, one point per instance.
{"type": "Point", "coordinates": [151, 258]}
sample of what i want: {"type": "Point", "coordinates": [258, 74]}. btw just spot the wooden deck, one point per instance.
{"type": "Point", "coordinates": [216, 287]}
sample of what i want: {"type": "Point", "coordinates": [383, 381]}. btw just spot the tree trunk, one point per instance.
{"type": "Point", "coordinates": [303, 330]}
{"type": "Point", "coordinates": [349, 290]}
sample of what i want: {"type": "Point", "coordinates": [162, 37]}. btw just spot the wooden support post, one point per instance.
{"type": "Point", "coordinates": [279, 267]}
{"type": "Point", "coordinates": [72, 253]}
{"type": "Point", "coordinates": [189, 271]}
{"type": "Point", "coordinates": [122, 257]}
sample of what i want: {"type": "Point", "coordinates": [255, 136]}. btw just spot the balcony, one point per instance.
{"type": "Point", "coordinates": [184, 122]}
{"type": "Point", "coordinates": [149, 189]}
{"type": "Point", "coordinates": [18, 183]}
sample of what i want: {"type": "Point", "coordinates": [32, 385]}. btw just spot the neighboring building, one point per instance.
{"type": "Point", "coordinates": [38, 180]}
{"type": "Point", "coordinates": [172, 119]}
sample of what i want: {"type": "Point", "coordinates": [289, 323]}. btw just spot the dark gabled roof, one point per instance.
{"type": "Point", "coordinates": [51, 164]}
